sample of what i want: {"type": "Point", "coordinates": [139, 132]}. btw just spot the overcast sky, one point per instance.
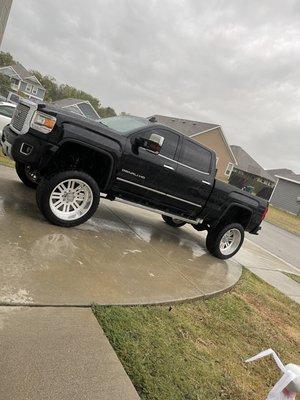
{"type": "Point", "coordinates": [231, 62]}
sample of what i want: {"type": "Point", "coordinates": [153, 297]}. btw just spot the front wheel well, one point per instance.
{"type": "Point", "coordinates": [78, 157]}
{"type": "Point", "coordinates": [236, 214]}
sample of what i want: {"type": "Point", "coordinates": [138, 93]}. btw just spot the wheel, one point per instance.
{"type": "Point", "coordinates": [68, 198]}
{"type": "Point", "coordinates": [176, 223]}
{"type": "Point", "coordinates": [28, 176]}
{"type": "Point", "coordinates": [225, 241]}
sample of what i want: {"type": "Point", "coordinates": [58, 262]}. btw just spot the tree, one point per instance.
{"type": "Point", "coordinates": [49, 83]}
{"type": "Point", "coordinates": [106, 112]}
{"type": "Point", "coordinates": [4, 85]}
{"type": "Point", "coordinates": [6, 59]}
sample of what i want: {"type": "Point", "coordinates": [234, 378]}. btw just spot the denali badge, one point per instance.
{"type": "Point", "coordinates": [133, 173]}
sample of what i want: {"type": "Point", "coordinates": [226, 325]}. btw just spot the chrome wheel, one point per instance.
{"type": "Point", "coordinates": [230, 241]}
{"type": "Point", "coordinates": [71, 199]}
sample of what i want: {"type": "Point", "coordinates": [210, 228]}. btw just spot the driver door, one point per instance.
{"type": "Point", "coordinates": [146, 173]}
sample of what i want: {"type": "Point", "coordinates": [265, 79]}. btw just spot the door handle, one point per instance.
{"type": "Point", "coordinates": [168, 167]}
{"type": "Point", "coordinates": [206, 183]}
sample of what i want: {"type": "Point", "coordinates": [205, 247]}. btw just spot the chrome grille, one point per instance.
{"type": "Point", "coordinates": [20, 116]}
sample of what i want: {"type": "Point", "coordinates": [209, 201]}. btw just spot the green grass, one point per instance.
{"type": "Point", "coordinates": [196, 351]}
{"type": "Point", "coordinates": [283, 219]}
{"type": "Point", "coordinates": [5, 160]}
{"type": "Point", "coordinates": [294, 277]}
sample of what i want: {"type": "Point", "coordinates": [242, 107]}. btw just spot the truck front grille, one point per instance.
{"type": "Point", "coordinates": [19, 117]}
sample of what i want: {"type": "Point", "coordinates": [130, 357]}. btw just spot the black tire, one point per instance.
{"type": "Point", "coordinates": [23, 172]}
{"type": "Point", "coordinates": [49, 183]}
{"type": "Point", "coordinates": [214, 237]}
{"type": "Point", "coordinates": [170, 221]}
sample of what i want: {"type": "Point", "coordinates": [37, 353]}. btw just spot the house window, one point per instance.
{"type": "Point", "coordinates": [28, 88]}
{"type": "Point", "coordinates": [15, 83]}
{"type": "Point", "coordinates": [229, 169]}
{"type": "Point", "coordinates": [34, 90]}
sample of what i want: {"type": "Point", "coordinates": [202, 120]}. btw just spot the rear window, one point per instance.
{"type": "Point", "coordinates": [195, 156]}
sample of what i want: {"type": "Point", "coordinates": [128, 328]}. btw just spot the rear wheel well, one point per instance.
{"type": "Point", "coordinates": [77, 157]}
{"type": "Point", "coordinates": [236, 214]}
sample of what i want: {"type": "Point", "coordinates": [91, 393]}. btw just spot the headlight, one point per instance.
{"type": "Point", "coordinates": [43, 122]}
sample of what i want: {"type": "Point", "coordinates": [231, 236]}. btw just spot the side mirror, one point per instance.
{"type": "Point", "coordinates": [153, 144]}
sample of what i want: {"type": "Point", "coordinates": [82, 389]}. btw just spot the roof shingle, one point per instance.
{"type": "Point", "coordinates": [185, 126]}
{"type": "Point", "coordinates": [248, 164]}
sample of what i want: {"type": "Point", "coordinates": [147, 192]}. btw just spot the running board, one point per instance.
{"type": "Point", "coordinates": [157, 211]}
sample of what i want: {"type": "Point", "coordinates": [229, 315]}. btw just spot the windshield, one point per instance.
{"type": "Point", "coordinates": [125, 124]}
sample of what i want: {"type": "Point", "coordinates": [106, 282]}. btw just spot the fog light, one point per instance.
{"type": "Point", "coordinates": [26, 149]}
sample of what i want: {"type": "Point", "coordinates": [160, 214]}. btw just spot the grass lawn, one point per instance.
{"type": "Point", "coordinates": [294, 277]}
{"type": "Point", "coordinates": [5, 160]}
{"type": "Point", "coordinates": [283, 219]}
{"type": "Point", "coordinates": [196, 351]}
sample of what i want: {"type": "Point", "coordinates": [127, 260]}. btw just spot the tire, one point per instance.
{"type": "Point", "coordinates": [173, 222]}
{"type": "Point", "coordinates": [27, 177]}
{"type": "Point", "coordinates": [218, 248]}
{"type": "Point", "coordinates": [68, 198]}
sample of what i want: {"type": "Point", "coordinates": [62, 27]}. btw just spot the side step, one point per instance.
{"type": "Point", "coordinates": [157, 211]}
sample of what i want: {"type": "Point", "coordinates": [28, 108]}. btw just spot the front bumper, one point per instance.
{"type": "Point", "coordinates": [26, 148]}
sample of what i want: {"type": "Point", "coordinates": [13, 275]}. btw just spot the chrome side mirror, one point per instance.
{"type": "Point", "coordinates": [153, 144]}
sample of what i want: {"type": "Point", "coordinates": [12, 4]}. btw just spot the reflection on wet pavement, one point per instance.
{"type": "Point", "coordinates": [123, 255]}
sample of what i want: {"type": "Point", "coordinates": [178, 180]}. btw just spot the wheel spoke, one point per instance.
{"type": "Point", "coordinates": [58, 204]}
{"type": "Point", "coordinates": [56, 196]}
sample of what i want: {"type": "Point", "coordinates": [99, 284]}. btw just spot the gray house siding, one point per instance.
{"type": "Point", "coordinates": [7, 71]}
{"type": "Point", "coordinates": [286, 195]}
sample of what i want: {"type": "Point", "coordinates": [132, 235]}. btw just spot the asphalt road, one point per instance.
{"type": "Point", "coordinates": [279, 242]}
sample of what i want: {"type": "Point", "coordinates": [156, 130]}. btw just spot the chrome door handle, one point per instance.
{"type": "Point", "coordinates": [168, 167]}
{"type": "Point", "coordinates": [206, 183]}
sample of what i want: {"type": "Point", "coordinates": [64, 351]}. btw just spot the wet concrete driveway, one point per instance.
{"type": "Point", "coordinates": [123, 255]}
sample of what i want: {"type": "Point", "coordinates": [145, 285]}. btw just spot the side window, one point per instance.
{"type": "Point", "coordinates": [170, 144]}
{"type": "Point", "coordinates": [7, 111]}
{"type": "Point", "coordinates": [195, 156]}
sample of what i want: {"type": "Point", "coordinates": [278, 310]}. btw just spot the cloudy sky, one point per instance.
{"type": "Point", "coordinates": [231, 62]}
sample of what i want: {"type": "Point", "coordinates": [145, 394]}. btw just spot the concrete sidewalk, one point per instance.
{"type": "Point", "coordinates": [58, 353]}
{"type": "Point", "coordinates": [270, 268]}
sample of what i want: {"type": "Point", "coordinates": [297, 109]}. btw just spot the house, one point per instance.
{"type": "Point", "coordinates": [23, 82]}
{"type": "Point", "coordinates": [286, 194]}
{"type": "Point", "coordinates": [284, 172]}
{"type": "Point", "coordinates": [248, 173]}
{"type": "Point", "coordinates": [78, 106]}
{"type": "Point", "coordinates": [210, 135]}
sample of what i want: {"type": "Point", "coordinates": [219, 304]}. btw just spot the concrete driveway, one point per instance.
{"type": "Point", "coordinates": [123, 255]}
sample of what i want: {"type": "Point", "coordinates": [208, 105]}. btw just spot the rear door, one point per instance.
{"type": "Point", "coordinates": [195, 175]}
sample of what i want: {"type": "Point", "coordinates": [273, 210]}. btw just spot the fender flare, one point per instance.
{"type": "Point", "coordinates": [97, 150]}
{"type": "Point", "coordinates": [230, 206]}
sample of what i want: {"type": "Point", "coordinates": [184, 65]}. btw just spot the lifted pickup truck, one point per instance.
{"type": "Point", "coordinates": [73, 162]}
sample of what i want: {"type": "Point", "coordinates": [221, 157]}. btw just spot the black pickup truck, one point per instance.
{"type": "Point", "coordinates": [74, 161]}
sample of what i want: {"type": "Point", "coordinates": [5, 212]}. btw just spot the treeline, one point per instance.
{"type": "Point", "coordinates": [55, 91]}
